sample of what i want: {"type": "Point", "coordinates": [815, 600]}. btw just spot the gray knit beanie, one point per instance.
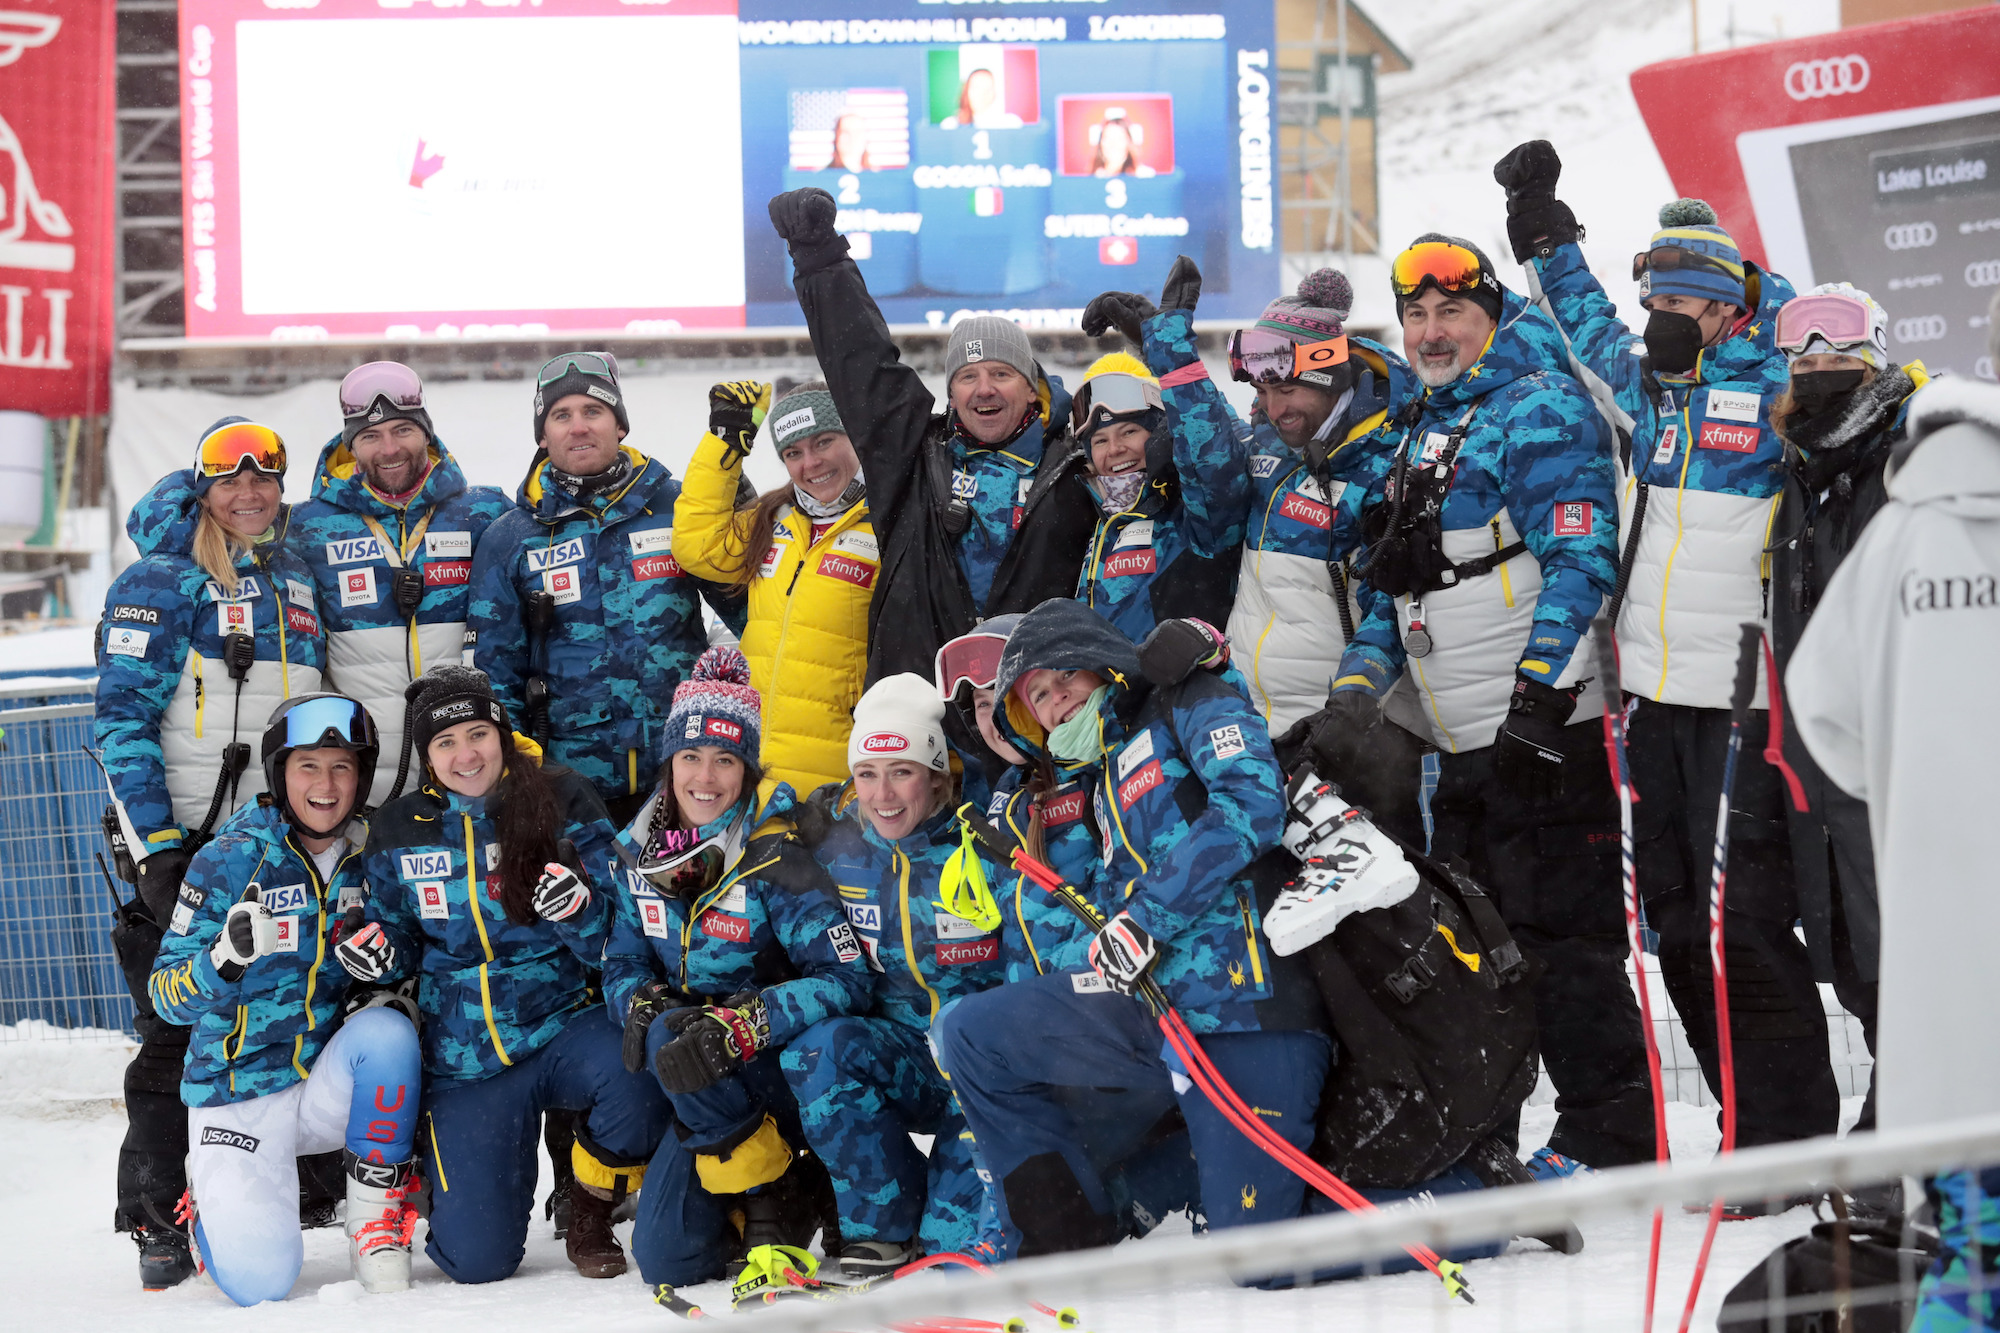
{"type": "Point", "coordinates": [988, 338]}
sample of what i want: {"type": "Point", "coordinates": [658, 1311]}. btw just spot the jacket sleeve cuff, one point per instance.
{"type": "Point", "coordinates": [1365, 668]}
{"type": "Point", "coordinates": [1170, 344]}
{"type": "Point", "coordinates": [1562, 262]}
{"type": "Point", "coordinates": [1156, 919]}
{"type": "Point", "coordinates": [814, 258]}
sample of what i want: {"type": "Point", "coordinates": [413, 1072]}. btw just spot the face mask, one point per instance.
{"type": "Point", "coordinates": [1077, 740]}
{"type": "Point", "coordinates": [856, 492]}
{"type": "Point", "coordinates": [1673, 341]}
{"type": "Point", "coordinates": [1817, 390]}
{"type": "Point", "coordinates": [1117, 492]}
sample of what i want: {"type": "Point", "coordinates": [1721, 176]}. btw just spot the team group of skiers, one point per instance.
{"type": "Point", "coordinates": [522, 858]}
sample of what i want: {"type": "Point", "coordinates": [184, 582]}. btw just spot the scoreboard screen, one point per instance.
{"type": "Point", "coordinates": [502, 168]}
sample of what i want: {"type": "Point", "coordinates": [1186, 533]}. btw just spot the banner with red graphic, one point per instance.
{"type": "Point", "coordinates": [59, 128]}
{"type": "Point", "coordinates": [1869, 155]}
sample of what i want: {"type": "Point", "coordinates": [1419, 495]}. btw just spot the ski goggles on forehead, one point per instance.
{"type": "Point", "coordinates": [1259, 356]}
{"type": "Point", "coordinates": [317, 722]}
{"type": "Point", "coordinates": [584, 363]}
{"type": "Point", "coordinates": [1110, 397]}
{"type": "Point", "coordinates": [1840, 320]}
{"type": "Point", "coordinates": [970, 659]}
{"type": "Point", "coordinates": [1440, 264]}
{"type": "Point", "coordinates": [1671, 258]}
{"type": "Point", "coordinates": [963, 890]}
{"type": "Point", "coordinates": [227, 451]}
{"type": "Point", "coordinates": [390, 380]}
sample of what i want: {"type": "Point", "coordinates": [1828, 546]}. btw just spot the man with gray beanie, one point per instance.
{"type": "Point", "coordinates": [978, 510]}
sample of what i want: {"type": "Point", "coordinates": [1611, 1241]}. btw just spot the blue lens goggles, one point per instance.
{"type": "Point", "coordinates": [317, 722]}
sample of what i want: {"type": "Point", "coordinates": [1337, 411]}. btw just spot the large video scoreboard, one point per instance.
{"type": "Point", "coordinates": [524, 167]}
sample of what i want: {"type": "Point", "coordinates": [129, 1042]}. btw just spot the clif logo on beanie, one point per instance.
{"type": "Point", "coordinates": [884, 742]}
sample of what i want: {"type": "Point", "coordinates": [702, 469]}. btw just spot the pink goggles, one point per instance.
{"type": "Point", "coordinates": [1839, 319]}
{"type": "Point", "coordinates": [380, 379]}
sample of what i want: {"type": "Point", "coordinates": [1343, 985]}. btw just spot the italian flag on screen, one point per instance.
{"type": "Point", "coordinates": [1013, 69]}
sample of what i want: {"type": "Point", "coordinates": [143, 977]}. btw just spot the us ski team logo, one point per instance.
{"type": "Point", "coordinates": [1573, 518]}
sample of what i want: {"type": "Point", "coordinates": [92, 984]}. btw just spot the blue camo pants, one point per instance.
{"type": "Point", "coordinates": [1962, 1291]}
{"type": "Point", "coordinates": [243, 1160]}
{"type": "Point", "coordinates": [864, 1085]}
{"type": "Point", "coordinates": [682, 1233]}
{"type": "Point", "coordinates": [485, 1135]}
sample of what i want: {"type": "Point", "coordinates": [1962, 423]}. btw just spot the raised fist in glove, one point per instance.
{"type": "Point", "coordinates": [736, 408]}
{"type": "Point", "coordinates": [1528, 753]}
{"type": "Point", "coordinates": [1176, 649]}
{"type": "Point", "coordinates": [560, 893]}
{"type": "Point", "coordinates": [1537, 221]}
{"type": "Point", "coordinates": [804, 217]}
{"type": "Point", "coordinates": [366, 953]}
{"type": "Point", "coordinates": [1124, 311]}
{"type": "Point", "coordinates": [1122, 953]}
{"type": "Point", "coordinates": [648, 1003]}
{"type": "Point", "coordinates": [248, 933]}
{"type": "Point", "coordinates": [713, 1043]}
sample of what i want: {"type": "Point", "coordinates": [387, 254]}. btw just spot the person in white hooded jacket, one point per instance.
{"type": "Point", "coordinates": [1891, 689]}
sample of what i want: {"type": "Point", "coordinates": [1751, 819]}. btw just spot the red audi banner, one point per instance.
{"type": "Point", "coordinates": [59, 132]}
{"type": "Point", "coordinates": [1869, 155]}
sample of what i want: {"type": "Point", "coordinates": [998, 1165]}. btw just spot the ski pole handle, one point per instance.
{"type": "Point", "coordinates": [1746, 671]}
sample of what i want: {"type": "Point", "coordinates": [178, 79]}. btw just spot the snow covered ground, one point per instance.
{"type": "Point", "coordinates": [62, 1121]}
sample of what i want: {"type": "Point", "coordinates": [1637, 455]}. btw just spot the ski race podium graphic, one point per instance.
{"type": "Point", "coordinates": [1870, 156]}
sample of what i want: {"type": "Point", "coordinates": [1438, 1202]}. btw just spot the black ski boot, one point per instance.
{"type": "Point", "coordinates": [164, 1259]}
{"type": "Point", "coordinates": [1494, 1162]}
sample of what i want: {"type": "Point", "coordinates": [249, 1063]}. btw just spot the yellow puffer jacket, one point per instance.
{"type": "Point", "coordinates": [807, 636]}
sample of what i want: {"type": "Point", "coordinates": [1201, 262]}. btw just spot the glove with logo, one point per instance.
{"type": "Point", "coordinates": [1528, 753]}
{"type": "Point", "coordinates": [713, 1043]}
{"type": "Point", "coordinates": [1122, 953]}
{"type": "Point", "coordinates": [1176, 649]}
{"type": "Point", "coordinates": [648, 1003]}
{"type": "Point", "coordinates": [160, 877]}
{"type": "Point", "coordinates": [560, 893]}
{"type": "Point", "coordinates": [248, 933]}
{"type": "Point", "coordinates": [1537, 221]}
{"type": "Point", "coordinates": [804, 218]}
{"type": "Point", "coordinates": [736, 409]}
{"type": "Point", "coordinates": [366, 953]}
{"type": "Point", "coordinates": [401, 996]}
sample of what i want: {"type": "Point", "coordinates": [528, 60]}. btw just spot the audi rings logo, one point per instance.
{"type": "Point", "coordinates": [1808, 79]}
{"type": "Point", "coordinates": [1983, 273]}
{"type": "Point", "coordinates": [1910, 236]}
{"type": "Point", "coordinates": [1921, 329]}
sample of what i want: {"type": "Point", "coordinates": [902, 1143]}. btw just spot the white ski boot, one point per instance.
{"type": "Point", "coordinates": [381, 1217]}
{"type": "Point", "coordinates": [1349, 866]}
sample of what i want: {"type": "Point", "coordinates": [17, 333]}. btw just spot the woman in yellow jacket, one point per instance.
{"type": "Point", "coordinates": [807, 555]}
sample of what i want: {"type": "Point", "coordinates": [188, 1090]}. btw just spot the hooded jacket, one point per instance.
{"type": "Point", "coordinates": [1042, 935]}
{"type": "Point", "coordinates": [965, 531]}
{"type": "Point", "coordinates": [1533, 466]}
{"type": "Point", "coordinates": [807, 633]}
{"type": "Point", "coordinates": [1822, 515]}
{"type": "Point", "coordinates": [166, 704]}
{"type": "Point", "coordinates": [770, 924]}
{"type": "Point", "coordinates": [627, 622]}
{"type": "Point", "coordinates": [492, 993]}
{"type": "Point", "coordinates": [1174, 552]}
{"type": "Point", "coordinates": [1285, 625]}
{"type": "Point", "coordinates": [922, 955]}
{"type": "Point", "coordinates": [260, 1033]}
{"type": "Point", "coordinates": [1184, 794]}
{"type": "Point", "coordinates": [1711, 468]}
{"type": "Point", "coordinates": [355, 541]}
{"type": "Point", "coordinates": [1891, 688]}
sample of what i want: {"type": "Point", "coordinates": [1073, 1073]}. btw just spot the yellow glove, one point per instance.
{"type": "Point", "coordinates": [736, 408]}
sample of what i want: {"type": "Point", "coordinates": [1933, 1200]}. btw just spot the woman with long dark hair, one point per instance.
{"type": "Point", "coordinates": [491, 883]}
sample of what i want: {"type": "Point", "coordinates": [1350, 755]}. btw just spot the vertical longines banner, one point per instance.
{"type": "Point", "coordinates": [58, 132]}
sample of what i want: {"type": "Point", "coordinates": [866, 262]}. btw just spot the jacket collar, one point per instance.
{"type": "Point", "coordinates": [549, 502]}
{"type": "Point", "coordinates": [339, 482]}
{"type": "Point", "coordinates": [1957, 462]}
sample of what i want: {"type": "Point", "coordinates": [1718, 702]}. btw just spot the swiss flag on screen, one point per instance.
{"type": "Point", "coordinates": [1117, 250]}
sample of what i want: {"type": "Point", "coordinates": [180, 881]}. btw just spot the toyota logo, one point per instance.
{"type": "Point", "coordinates": [1982, 273]}
{"type": "Point", "coordinates": [1910, 236]}
{"type": "Point", "coordinates": [1808, 79]}
{"type": "Point", "coordinates": [1921, 329]}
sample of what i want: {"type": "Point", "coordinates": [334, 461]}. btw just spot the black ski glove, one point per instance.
{"type": "Point", "coordinates": [1176, 649]}
{"type": "Point", "coordinates": [713, 1043]}
{"type": "Point", "coordinates": [1124, 311]}
{"type": "Point", "coordinates": [1537, 221]}
{"type": "Point", "coordinates": [1528, 753]}
{"type": "Point", "coordinates": [648, 1003]}
{"type": "Point", "coordinates": [736, 408]}
{"type": "Point", "coordinates": [805, 219]}
{"type": "Point", "coordinates": [1182, 289]}
{"type": "Point", "coordinates": [160, 877]}
{"type": "Point", "coordinates": [1329, 741]}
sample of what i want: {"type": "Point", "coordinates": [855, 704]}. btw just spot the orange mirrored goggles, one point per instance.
{"type": "Point", "coordinates": [227, 450]}
{"type": "Point", "coordinates": [1448, 267]}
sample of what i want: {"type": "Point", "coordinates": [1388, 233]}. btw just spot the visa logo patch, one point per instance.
{"type": "Point", "coordinates": [353, 551]}
{"type": "Point", "coordinates": [562, 553]}
{"type": "Point", "coordinates": [284, 898]}
{"type": "Point", "coordinates": [865, 916]}
{"type": "Point", "coordinates": [425, 865]}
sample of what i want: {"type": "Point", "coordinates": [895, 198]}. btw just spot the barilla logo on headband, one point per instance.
{"type": "Point", "coordinates": [975, 349]}
{"type": "Point", "coordinates": [723, 727]}
{"type": "Point", "coordinates": [603, 395]}
{"type": "Point", "coordinates": [884, 742]}
{"type": "Point", "coordinates": [802, 419]}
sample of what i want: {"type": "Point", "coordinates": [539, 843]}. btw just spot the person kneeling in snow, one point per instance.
{"type": "Point", "coordinates": [249, 963]}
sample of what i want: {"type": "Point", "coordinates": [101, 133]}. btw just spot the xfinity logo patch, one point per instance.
{"type": "Point", "coordinates": [227, 1138]}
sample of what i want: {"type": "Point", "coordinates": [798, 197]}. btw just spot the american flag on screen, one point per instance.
{"type": "Point", "coordinates": [885, 111]}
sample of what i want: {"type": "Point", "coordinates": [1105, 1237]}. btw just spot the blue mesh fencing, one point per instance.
{"type": "Point", "coordinates": [56, 963]}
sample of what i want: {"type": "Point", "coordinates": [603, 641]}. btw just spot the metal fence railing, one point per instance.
{"type": "Point", "coordinates": [56, 965]}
